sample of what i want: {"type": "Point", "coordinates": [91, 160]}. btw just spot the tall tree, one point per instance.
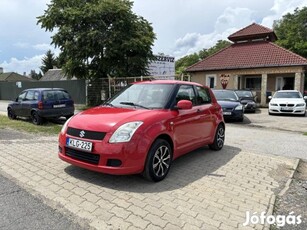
{"type": "Point", "coordinates": [220, 44]}
{"type": "Point", "coordinates": [48, 61]}
{"type": "Point", "coordinates": [35, 76]}
{"type": "Point", "coordinates": [291, 31]}
{"type": "Point", "coordinates": [99, 37]}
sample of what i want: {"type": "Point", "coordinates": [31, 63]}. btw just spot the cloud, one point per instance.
{"type": "Point", "coordinates": [231, 20]}
{"type": "Point", "coordinates": [43, 47]}
{"type": "Point", "coordinates": [24, 65]}
{"type": "Point", "coordinates": [22, 45]}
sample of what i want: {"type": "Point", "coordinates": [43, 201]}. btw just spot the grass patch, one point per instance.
{"type": "Point", "coordinates": [305, 134]}
{"type": "Point", "coordinates": [48, 127]}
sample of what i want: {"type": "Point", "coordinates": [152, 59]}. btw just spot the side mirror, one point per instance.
{"type": "Point", "coordinates": [305, 97]}
{"type": "Point", "coordinates": [270, 97]}
{"type": "Point", "coordinates": [184, 104]}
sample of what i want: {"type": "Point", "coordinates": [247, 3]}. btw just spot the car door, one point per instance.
{"type": "Point", "coordinates": [206, 113]}
{"type": "Point", "coordinates": [17, 105]}
{"type": "Point", "coordinates": [29, 102]}
{"type": "Point", "coordinates": [186, 122]}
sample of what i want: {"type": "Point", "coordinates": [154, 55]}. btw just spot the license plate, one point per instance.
{"type": "Point", "coordinates": [227, 113]}
{"type": "Point", "coordinates": [59, 106]}
{"type": "Point", "coordinates": [84, 145]}
{"type": "Point", "coordinates": [286, 108]}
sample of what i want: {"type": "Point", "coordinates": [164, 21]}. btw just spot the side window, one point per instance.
{"type": "Point", "coordinates": [21, 97]}
{"type": "Point", "coordinates": [203, 96]}
{"type": "Point", "coordinates": [186, 92]}
{"type": "Point", "coordinates": [30, 96]}
{"type": "Point", "coordinates": [36, 94]}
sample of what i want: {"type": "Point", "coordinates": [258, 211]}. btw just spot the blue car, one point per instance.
{"type": "Point", "coordinates": [42, 103]}
{"type": "Point", "coordinates": [231, 105]}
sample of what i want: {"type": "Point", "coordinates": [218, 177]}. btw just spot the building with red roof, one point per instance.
{"type": "Point", "coordinates": [253, 61]}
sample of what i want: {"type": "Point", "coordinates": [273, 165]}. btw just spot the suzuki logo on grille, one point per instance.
{"type": "Point", "coordinates": [82, 133]}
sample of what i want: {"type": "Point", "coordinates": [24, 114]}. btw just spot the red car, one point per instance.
{"type": "Point", "coordinates": [143, 129]}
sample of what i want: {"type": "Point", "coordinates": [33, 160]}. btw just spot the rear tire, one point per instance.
{"type": "Point", "coordinates": [11, 115]}
{"type": "Point", "coordinates": [219, 138]}
{"type": "Point", "coordinates": [36, 119]}
{"type": "Point", "coordinates": [158, 161]}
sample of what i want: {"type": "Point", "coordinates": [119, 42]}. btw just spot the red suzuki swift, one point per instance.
{"type": "Point", "coordinates": [143, 129]}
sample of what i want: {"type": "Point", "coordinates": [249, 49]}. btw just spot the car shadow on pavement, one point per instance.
{"type": "Point", "coordinates": [185, 170]}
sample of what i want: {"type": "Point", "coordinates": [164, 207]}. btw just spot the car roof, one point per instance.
{"type": "Point", "coordinates": [44, 89]}
{"type": "Point", "coordinates": [168, 82]}
{"type": "Point", "coordinates": [288, 91]}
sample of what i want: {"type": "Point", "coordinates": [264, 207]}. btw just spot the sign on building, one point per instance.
{"type": "Point", "coordinates": [163, 67]}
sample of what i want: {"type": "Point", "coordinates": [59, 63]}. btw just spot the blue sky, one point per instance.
{"type": "Point", "coordinates": [181, 26]}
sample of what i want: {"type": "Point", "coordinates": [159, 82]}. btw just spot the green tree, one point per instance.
{"type": "Point", "coordinates": [35, 76]}
{"type": "Point", "coordinates": [98, 38]}
{"type": "Point", "coordinates": [291, 31]}
{"type": "Point", "coordinates": [48, 61]}
{"type": "Point", "coordinates": [221, 44]}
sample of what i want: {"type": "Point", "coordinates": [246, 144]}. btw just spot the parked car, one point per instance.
{"type": "Point", "coordinates": [41, 103]}
{"type": "Point", "coordinates": [287, 102]}
{"type": "Point", "coordinates": [230, 102]}
{"type": "Point", "coordinates": [247, 99]}
{"type": "Point", "coordinates": [143, 129]}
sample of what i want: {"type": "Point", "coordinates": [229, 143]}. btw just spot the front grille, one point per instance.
{"type": "Point", "coordinates": [288, 105]}
{"type": "Point", "coordinates": [93, 135]}
{"type": "Point", "coordinates": [227, 109]}
{"type": "Point", "coordinates": [82, 156]}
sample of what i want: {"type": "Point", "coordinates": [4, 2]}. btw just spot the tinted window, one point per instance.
{"type": "Point", "coordinates": [226, 95]}
{"type": "Point", "coordinates": [242, 93]}
{"type": "Point", "coordinates": [186, 92]}
{"type": "Point", "coordinates": [21, 97]}
{"type": "Point", "coordinates": [53, 95]}
{"type": "Point", "coordinates": [30, 96]}
{"type": "Point", "coordinates": [203, 96]}
{"type": "Point", "coordinates": [287, 95]}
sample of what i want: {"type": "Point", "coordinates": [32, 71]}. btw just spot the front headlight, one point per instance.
{"type": "Point", "coordinates": [64, 127]}
{"type": "Point", "coordinates": [302, 104]}
{"type": "Point", "coordinates": [273, 104]}
{"type": "Point", "coordinates": [239, 107]}
{"type": "Point", "coordinates": [125, 132]}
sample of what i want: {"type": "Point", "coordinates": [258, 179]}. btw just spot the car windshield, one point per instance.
{"type": "Point", "coordinates": [146, 96]}
{"type": "Point", "coordinates": [244, 93]}
{"type": "Point", "coordinates": [225, 95]}
{"type": "Point", "coordinates": [287, 95]}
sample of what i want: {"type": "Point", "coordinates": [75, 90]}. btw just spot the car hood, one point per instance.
{"type": "Point", "coordinates": [229, 104]}
{"type": "Point", "coordinates": [104, 118]}
{"type": "Point", "coordinates": [287, 100]}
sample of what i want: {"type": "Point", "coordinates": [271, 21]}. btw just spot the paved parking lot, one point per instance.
{"type": "Point", "coordinates": [204, 190]}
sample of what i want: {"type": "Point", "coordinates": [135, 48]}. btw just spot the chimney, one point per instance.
{"type": "Point", "coordinates": [1, 70]}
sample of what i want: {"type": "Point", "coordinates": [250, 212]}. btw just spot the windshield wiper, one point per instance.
{"type": "Point", "coordinates": [133, 104]}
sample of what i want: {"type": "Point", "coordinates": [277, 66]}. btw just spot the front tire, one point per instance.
{"type": "Point", "coordinates": [36, 119]}
{"type": "Point", "coordinates": [158, 161]}
{"type": "Point", "coordinates": [219, 138]}
{"type": "Point", "coordinates": [11, 115]}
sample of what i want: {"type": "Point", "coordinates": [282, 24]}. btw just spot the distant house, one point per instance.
{"type": "Point", "coordinates": [55, 75]}
{"type": "Point", "coordinates": [13, 77]}
{"type": "Point", "coordinates": [253, 61]}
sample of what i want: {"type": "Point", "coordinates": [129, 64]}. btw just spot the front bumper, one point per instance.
{"type": "Point", "coordinates": [287, 110]}
{"type": "Point", "coordinates": [233, 114]}
{"type": "Point", "coordinates": [59, 112]}
{"type": "Point", "coordinates": [117, 159]}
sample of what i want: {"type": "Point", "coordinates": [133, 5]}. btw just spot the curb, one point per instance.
{"type": "Point", "coordinates": [281, 193]}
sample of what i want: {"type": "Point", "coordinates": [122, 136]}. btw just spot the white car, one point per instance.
{"type": "Point", "coordinates": [287, 102]}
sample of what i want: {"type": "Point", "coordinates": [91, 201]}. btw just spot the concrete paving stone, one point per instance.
{"type": "Point", "coordinates": [80, 191]}
{"type": "Point", "coordinates": [188, 226]}
{"type": "Point", "coordinates": [103, 214]}
{"type": "Point", "coordinates": [156, 220]}
{"type": "Point", "coordinates": [174, 220]}
{"type": "Point", "coordinates": [192, 220]}
{"type": "Point", "coordinates": [154, 210]}
{"type": "Point", "coordinates": [88, 206]}
{"type": "Point", "coordinates": [138, 221]}
{"type": "Point", "coordinates": [120, 212]}
{"type": "Point", "coordinates": [86, 215]}
{"type": "Point", "coordinates": [102, 203]}
{"type": "Point", "coordinates": [93, 198]}
{"type": "Point", "coordinates": [137, 211]}
{"type": "Point", "coordinates": [76, 199]}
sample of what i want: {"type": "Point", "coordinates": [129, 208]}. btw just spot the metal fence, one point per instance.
{"type": "Point", "coordinates": [76, 88]}
{"type": "Point", "coordinates": [89, 92]}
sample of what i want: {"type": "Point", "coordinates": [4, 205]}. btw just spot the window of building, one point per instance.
{"type": "Point", "coordinates": [253, 83]}
{"type": "Point", "coordinates": [211, 81]}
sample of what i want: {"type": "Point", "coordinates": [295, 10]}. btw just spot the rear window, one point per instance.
{"type": "Point", "coordinates": [54, 95]}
